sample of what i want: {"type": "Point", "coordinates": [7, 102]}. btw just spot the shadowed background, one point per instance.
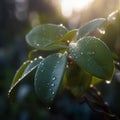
{"type": "Point", "coordinates": [17, 17]}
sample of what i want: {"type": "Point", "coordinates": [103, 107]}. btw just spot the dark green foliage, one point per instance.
{"type": "Point", "coordinates": [77, 79]}
{"type": "Point", "coordinates": [21, 74]}
{"type": "Point", "coordinates": [88, 53]}
{"type": "Point", "coordinates": [77, 59]}
{"type": "Point", "coordinates": [89, 27]}
{"type": "Point", "coordinates": [44, 37]}
{"type": "Point", "coordinates": [49, 75]}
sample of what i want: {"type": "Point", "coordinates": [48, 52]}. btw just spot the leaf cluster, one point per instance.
{"type": "Point", "coordinates": [78, 61]}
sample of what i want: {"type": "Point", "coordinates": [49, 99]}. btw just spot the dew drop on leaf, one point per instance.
{"type": "Point", "coordinates": [35, 58]}
{"type": "Point", "coordinates": [37, 44]}
{"type": "Point", "coordinates": [40, 57]}
{"type": "Point", "coordinates": [52, 85]}
{"type": "Point", "coordinates": [108, 81]}
{"type": "Point", "coordinates": [54, 78]}
{"type": "Point", "coordinates": [81, 53]}
{"type": "Point", "coordinates": [31, 61]}
{"type": "Point", "coordinates": [68, 41]}
{"type": "Point", "coordinates": [61, 24]}
{"type": "Point", "coordinates": [58, 62]}
{"type": "Point", "coordinates": [49, 108]}
{"type": "Point", "coordinates": [42, 63]}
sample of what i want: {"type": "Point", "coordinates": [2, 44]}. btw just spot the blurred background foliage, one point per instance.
{"type": "Point", "coordinates": [17, 17]}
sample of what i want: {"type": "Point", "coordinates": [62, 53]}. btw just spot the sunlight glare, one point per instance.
{"type": "Point", "coordinates": [68, 6]}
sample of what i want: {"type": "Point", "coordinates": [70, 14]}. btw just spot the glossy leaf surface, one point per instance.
{"type": "Point", "coordinates": [96, 80]}
{"type": "Point", "coordinates": [90, 27]}
{"type": "Point", "coordinates": [16, 80]}
{"type": "Point", "coordinates": [94, 56]}
{"type": "Point", "coordinates": [69, 36]}
{"type": "Point", "coordinates": [33, 64]}
{"type": "Point", "coordinates": [49, 76]}
{"type": "Point", "coordinates": [43, 36]}
{"type": "Point", "coordinates": [78, 79]}
{"type": "Point", "coordinates": [19, 73]}
{"type": "Point", "coordinates": [23, 72]}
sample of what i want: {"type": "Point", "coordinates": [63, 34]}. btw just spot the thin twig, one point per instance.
{"type": "Point", "coordinates": [105, 110]}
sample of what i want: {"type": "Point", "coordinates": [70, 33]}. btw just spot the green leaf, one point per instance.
{"type": "Point", "coordinates": [33, 54]}
{"type": "Point", "coordinates": [90, 27]}
{"type": "Point", "coordinates": [31, 66]}
{"type": "Point", "coordinates": [96, 80]}
{"type": "Point", "coordinates": [49, 76]}
{"type": "Point", "coordinates": [16, 79]}
{"type": "Point", "coordinates": [23, 72]}
{"type": "Point", "coordinates": [69, 36]}
{"type": "Point", "coordinates": [19, 73]}
{"type": "Point", "coordinates": [64, 41]}
{"type": "Point", "coordinates": [57, 46]}
{"type": "Point", "coordinates": [78, 80]}
{"type": "Point", "coordinates": [43, 36]}
{"type": "Point", "coordinates": [94, 56]}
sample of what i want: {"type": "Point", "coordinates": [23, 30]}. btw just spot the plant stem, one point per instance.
{"type": "Point", "coordinates": [95, 99]}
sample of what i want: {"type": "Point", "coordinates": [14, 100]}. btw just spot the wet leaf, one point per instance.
{"type": "Point", "coordinates": [43, 36]}
{"type": "Point", "coordinates": [94, 56]}
{"type": "Point", "coordinates": [69, 36]}
{"type": "Point", "coordinates": [90, 27]}
{"type": "Point", "coordinates": [34, 63]}
{"type": "Point", "coordinates": [19, 73]}
{"type": "Point", "coordinates": [23, 72]}
{"type": "Point", "coordinates": [16, 79]}
{"type": "Point", "coordinates": [33, 54]}
{"type": "Point", "coordinates": [78, 80]}
{"type": "Point", "coordinates": [49, 76]}
{"type": "Point", "coordinates": [96, 80]}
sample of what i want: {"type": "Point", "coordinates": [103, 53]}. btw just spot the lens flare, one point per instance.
{"type": "Point", "coordinates": [68, 6]}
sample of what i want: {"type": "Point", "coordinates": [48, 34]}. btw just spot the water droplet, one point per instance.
{"type": "Point", "coordinates": [61, 24]}
{"type": "Point", "coordinates": [42, 63]}
{"type": "Point", "coordinates": [91, 53]}
{"type": "Point", "coordinates": [81, 53]}
{"type": "Point", "coordinates": [31, 61]}
{"type": "Point", "coordinates": [52, 85]}
{"type": "Point", "coordinates": [108, 81]}
{"type": "Point", "coordinates": [102, 31]}
{"type": "Point", "coordinates": [98, 93]}
{"type": "Point", "coordinates": [58, 61]}
{"type": "Point", "coordinates": [35, 58]}
{"type": "Point", "coordinates": [67, 66]}
{"type": "Point", "coordinates": [91, 85]}
{"type": "Point", "coordinates": [54, 78]}
{"type": "Point", "coordinates": [37, 44]}
{"type": "Point", "coordinates": [40, 57]}
{"type": "Point", "coordinates": [49, 108]}
{"type": "Point", "coordinates": [53, 93]}
{"type": "Point", "coordinates": [68, 41]}
{"type": "Point", "coordinates": [60, 55]}
{"type": "Point", "coordinates": [65, 53]}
